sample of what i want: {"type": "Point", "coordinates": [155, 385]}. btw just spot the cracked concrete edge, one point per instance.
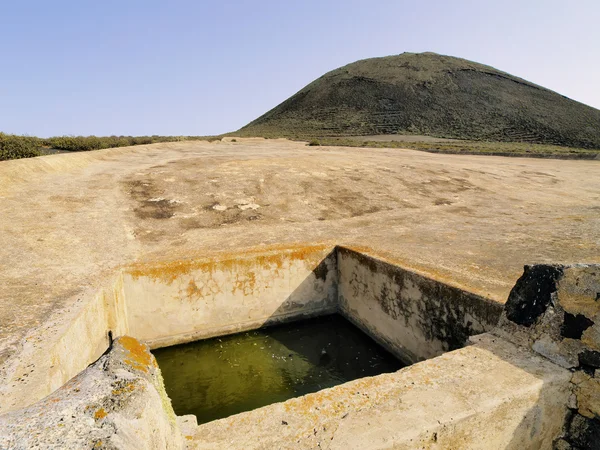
{"type": "Point", "coordinates": [49, 355]}
{"type": "Point", "coordinates": [117, 402]}
{"type": "Point", "coordinates": [491, 394]}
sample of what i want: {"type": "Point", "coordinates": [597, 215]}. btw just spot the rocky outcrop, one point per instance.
{"type": "Point", "coordinates": [117, 402]}
{"type": "Point", "coordinates": [555, 311]}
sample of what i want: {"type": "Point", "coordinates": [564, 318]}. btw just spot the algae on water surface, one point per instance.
{"type": "Point", "coordinates": [219, 377]}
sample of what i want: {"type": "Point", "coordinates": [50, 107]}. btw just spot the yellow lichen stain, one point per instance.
{"type": "Point", "coordinates": [138, 356]}
{"type": "Point", "coordinates": [244, 283]}
{"type": "Point", "coordinates": [200, 290]}
{"type": "Point", "coordinates": [100, 414]}
{"type": "Point", "coordinates": [577, 292]}
{"type": "Point", "coordinates": [98, 444]}
{"type": "Point", "coordinates": [242, 261]}
{"type": "Point", "coordinates": [189, 438]}
{"type": "Point", "coordinates": [192, 290]}
{"type": "Point", "coordinates": [129, 387]}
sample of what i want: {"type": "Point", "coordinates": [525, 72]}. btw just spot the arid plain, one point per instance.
{"type": "Point", "coordinates": [473, 221]}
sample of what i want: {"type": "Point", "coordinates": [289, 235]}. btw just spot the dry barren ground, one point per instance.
{"type": "Point", "coordinates": [68, 220]}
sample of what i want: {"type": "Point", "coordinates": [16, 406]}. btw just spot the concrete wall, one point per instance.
{"type": "Point", "coordinates": [490, 395]}
{"type": "Point", "coordinates": [117, 402]}
{"type": "Point", "coordinates": [182, 301]}
{"type": "Point", "coordinates": [493, 394]}
{"type": "Point", "coordinates": [173, 302]}
{"type": "Point", "coordinates": [170, 302]}
{"type": "Point", "coordinates": [62, 349]}
{"type": "Point", "coordinates": [415, 317]}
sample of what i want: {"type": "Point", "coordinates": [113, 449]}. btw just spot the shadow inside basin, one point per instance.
{"type": "Point", "coordinates": [218, 377]}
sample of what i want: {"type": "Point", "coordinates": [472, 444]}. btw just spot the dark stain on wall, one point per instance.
{"type": "Point", "coordinates": [532, 293]}
{"type": "Point", "coordinates": [589, 361]}
{"type": "Point", "coordinates": [584, 432]}
{"type": "Point", "coordinates": [322, 269]}
{"type": "Point", "coordinates": [574, 325]}
{"type": "Point", "coordinates": [394, 306]}
{"type": "Point", "coordinates": [443, 312]}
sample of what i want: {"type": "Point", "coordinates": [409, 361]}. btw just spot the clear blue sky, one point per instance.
{"type": "Point", "coordinates": [205, 67]}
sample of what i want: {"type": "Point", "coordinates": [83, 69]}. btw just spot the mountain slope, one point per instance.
{"type": "Point", "coordinates": [435, 95]}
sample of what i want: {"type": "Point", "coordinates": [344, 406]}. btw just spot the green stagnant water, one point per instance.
{"type": "Point", "coordinates": [218, 377]}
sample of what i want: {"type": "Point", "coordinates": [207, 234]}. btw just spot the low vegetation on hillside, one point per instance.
{"type": "Point", "coordinates": [433, 95]}
{"type": "Point", "coordinates": [14, 146]}
{"type": "Point", "coordinates": [472, 148]}
{"type": "Point", "coordinates": [440, 145]}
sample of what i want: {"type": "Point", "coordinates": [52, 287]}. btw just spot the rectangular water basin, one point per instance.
{"type": "Point", "coordinates": [219, 377]}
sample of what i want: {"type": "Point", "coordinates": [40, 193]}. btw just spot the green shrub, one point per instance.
{"type": "Point", "coordinates": [15, 147]}
{"type": "Point", "coordinates": [314, 143]}
{"type": "Point", "coordinates": [84, 143]}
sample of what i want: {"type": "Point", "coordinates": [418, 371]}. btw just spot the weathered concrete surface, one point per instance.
{"type": "Point", "coordinates": [173, 302]}
{"type": "Point", "coordinates": [489, 395]}
{"type": "Point", "coordinates": [55, 352]}
{"type": "Point", "coordinates": [69, 221]}
{"type": "Point", "coordinates": [413, 316]}
{"type": "Point", "coordinates": [118, 402]}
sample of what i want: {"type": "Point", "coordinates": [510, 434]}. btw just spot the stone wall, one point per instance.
{"type": "Point", "coordinates": [555, 311]}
